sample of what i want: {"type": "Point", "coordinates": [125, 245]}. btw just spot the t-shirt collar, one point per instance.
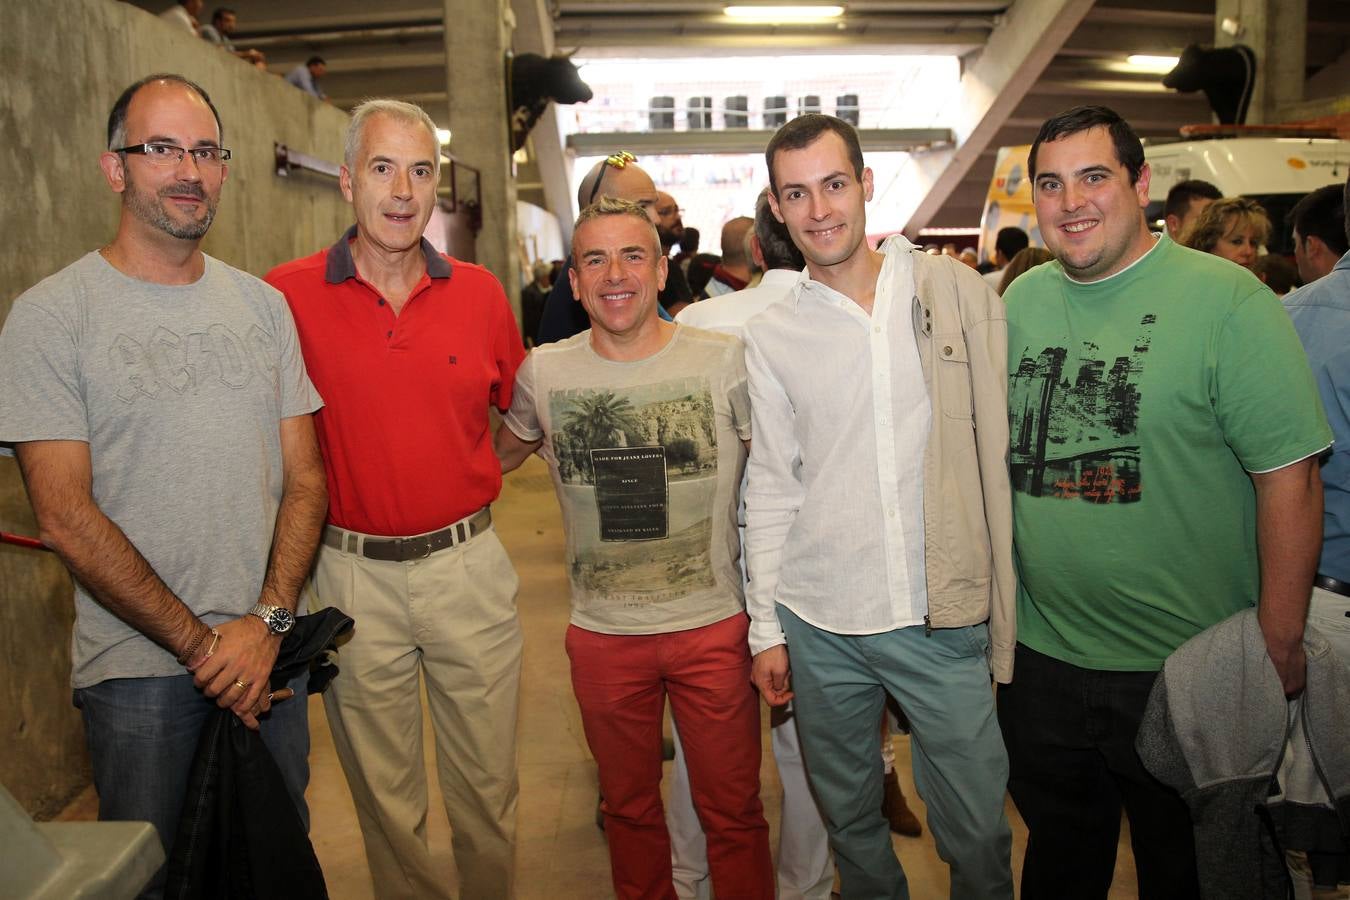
{"type": "Point", "coordinates": [341, 266]}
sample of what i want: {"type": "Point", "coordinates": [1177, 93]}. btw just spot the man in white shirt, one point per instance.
{"type": "Point", "coordinates": [805, 871]}
{"type": "Point", "coordinates": [773, 251]}
{"type": "Point", "coordinates": [878, 519]}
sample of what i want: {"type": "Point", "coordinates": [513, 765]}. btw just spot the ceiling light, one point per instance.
{"type": "Point", "coordinates": [1146, 63]}
{"type": "Point", "coordinates": [443, 135]}
{"type": "Point", "coordinates": [798, 13]}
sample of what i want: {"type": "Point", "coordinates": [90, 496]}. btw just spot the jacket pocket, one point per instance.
{"type": "Point", "coordinates": [952, 376]}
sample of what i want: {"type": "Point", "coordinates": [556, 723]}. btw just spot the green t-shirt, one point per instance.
{"type": "Point", "coordinates": [1138, 404]}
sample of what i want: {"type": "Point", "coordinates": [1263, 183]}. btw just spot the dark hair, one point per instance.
{"type": "Point", "coordinates": [315, 61]}
{"type": "Point", "coordinates": [222, 11]}
{"type": "Point", "coordinates": [1278, 273]}
{"type": "Point", "coordinates": [775, 244]}
{"type": "Point", "coordinates": [689, 240]}
{"type": "Point", "coordinates": [803, 131]}
{"type": "Point", "coordinates": [117, 119]}
{"type": "Point", "coordinates": [1183, 192]}
{"type": "Point", "coordinates": [701, 267]}
{"type": "Point", "coordinates": [1322, 214]}
{"type": "Point", "coordinates": [1129, 151]}
{"type": "Point", "coordinates": [1010, 241]}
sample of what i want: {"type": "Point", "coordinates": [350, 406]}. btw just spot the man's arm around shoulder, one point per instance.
{"type": "Point", "coordinates": [512, 450]}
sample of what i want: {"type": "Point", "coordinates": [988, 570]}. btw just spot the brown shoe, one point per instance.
{"type": "Point", "coordinates": [897, 812]}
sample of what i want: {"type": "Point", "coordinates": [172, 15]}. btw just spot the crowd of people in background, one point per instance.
{"type": "Point", "coordinates": [220, 32]}
{"type": "Point", "coordinates": [833, 475]}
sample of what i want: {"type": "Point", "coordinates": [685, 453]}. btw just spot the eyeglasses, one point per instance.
{"type": "Point", "coordinates": [172, 154]}
{"type": "Point", "coordinates": [619, 160]}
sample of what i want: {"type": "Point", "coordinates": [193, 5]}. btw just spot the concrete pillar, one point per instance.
{"type": "Point", "coordinates": [477, 35]}
{"type": "Point", "coordinates": [534, 34]}
{"type": "Point", "coordinates": [1277, 31]}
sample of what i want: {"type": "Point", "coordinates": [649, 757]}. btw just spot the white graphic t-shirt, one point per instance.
{"type": "Point", "coordinates": [646, 459]}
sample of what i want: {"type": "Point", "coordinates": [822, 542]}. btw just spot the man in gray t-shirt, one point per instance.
{"type": "Point", "coordinates": [643, 425]}
{"type": "Point", "coordinates": [160, 411]}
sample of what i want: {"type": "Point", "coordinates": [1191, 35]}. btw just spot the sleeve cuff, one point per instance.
{"type": "Point", "coordinates": [1001, 665]}
{"type": "Point", "coordinates": [765, 634]}
{"type": "Point", "coordinates": [519, 430]}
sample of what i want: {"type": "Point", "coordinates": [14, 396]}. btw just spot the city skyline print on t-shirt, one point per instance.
{"type": "Point", "coordinates": [1073, 414]}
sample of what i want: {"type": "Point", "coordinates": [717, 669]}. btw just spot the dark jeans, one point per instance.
{"type": "Point", "coordinates": [142, 735]}
{"type": "Point", "coordinates": [1070, 737]}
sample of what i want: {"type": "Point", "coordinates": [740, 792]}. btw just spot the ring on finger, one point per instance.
{"type": "Point", "coordinates": [242, 685]}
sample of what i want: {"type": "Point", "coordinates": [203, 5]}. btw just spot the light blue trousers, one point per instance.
{"type": "Point", "coordinates": [941, 681]}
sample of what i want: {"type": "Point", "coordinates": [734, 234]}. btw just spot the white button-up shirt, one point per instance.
{"type": "Point", "coordinates": [840, 418]}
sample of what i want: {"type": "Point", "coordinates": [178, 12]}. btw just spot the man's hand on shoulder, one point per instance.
{"type": "Point", "coordinates": [770, 673]}
{"type": "Point", "coordinates": [245, 654]}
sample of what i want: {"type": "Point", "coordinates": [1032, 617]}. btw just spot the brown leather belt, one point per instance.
{"type": "Point", "coordinates": [402, 549]}
{"type": "Point", "coordinates": [1327, 583]}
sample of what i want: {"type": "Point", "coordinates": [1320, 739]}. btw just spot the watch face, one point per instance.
{"type": "Point", "coordinates": [280, 620]}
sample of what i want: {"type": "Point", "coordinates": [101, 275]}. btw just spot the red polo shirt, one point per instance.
{"type": "Point", "coordinates": [404, 428]}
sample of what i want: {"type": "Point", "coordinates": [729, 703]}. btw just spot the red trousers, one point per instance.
{"type": "Point", "coordinates": [621, 683]}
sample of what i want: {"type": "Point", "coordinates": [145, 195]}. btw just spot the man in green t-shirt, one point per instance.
{"type": "Point", "coordinates": [1164, 433]}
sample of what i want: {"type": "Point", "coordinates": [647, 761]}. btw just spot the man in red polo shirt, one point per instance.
{"type": "Point", "coordinates": [409, 349]}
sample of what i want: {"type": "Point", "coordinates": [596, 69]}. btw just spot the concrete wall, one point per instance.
{"type": "Point", "coordinates": [62, 64]}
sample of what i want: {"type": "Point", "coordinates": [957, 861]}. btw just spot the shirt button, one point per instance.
{"type": "Point", "coordinates": [876, 329]}
{"type": "Point", "coordinates": [891, 512]}
{"type": "Point", "coordinates": [381, 301]}
{"type": "Point", "coordinates": [388, 334]}
{"type": "Point", "coordinates": [947, 351]}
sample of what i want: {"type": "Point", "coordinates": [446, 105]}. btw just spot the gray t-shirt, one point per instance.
{"type": "Point", "coordinates": [179, 391]}
{"type": "Point", "coordinates": [646, 458]}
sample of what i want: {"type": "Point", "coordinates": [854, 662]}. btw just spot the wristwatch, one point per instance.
{"type": "Point", "coordinates": [278, 619]}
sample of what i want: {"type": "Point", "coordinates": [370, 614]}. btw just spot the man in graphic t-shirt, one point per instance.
{"type": "Point", "coordinates": [643, 424]}
{"type": "Point", "coordinates": [160, 410]}
{"type": "Point", "coordinates": [1165, 430]}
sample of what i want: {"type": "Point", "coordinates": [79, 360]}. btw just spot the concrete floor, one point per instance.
{"type": "Point", "coordinates": [561, 854]}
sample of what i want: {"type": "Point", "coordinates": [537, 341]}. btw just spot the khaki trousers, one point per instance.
{"type": "Point", "coordinates": [451, 617]}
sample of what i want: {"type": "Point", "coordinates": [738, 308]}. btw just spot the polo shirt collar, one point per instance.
{"type": "Point", "coordinates": [341, 266]}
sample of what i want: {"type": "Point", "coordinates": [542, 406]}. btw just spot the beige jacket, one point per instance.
{"type": "Point", "coordinates": [967, 502]}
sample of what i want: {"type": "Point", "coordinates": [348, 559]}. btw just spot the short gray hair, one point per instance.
{"type": "Point", "coordinates": [607, 206]}
{"type": "Point", "coordinates": [408, 113]}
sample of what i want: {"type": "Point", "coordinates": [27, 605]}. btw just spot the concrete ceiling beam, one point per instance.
{"type": "Point", "coordinates": [1016, 54]}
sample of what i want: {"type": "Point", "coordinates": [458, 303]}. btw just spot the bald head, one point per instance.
{"type": "Point", "coordinates": [628, 183]}
{"type": "Point", "coordinates": [733, 241]}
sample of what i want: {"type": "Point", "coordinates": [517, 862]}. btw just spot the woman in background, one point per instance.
{"type": "Point", "coordinates": [1024, 259]}
{"type": "Point", "coordinates": [1235, 228]}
